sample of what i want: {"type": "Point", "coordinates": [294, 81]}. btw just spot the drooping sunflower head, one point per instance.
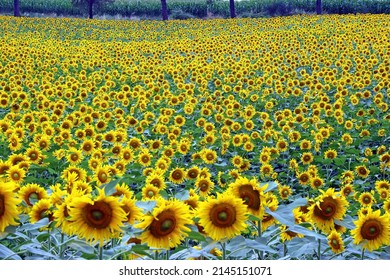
{"type": "Point", "coordinates": [167, 225]}
{"type": "Point", "coordinates": [222, 217]}
{"type": "Point", "coordinates": [372, 230]}
{"type": "Point", "coordinates": [328, 207]}
{"type": "Point", "coordinates": [251, 193]}
{"type": "Point", "coordinates": [41, 209]}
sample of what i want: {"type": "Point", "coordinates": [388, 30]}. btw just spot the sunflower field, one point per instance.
{"type": "Point", "coordinates": [216, 139]}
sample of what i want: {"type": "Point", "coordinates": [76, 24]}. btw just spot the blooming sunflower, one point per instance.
{"type": "Point", "coordinates": [372, 230]}
{"type": "Point", "coordinates": [222, 217]}
{"type": "Point", "coordinates": [96, 219]}
{"type": "Point", "coordinates": [8, 205]}
{"type": "Point", "coordinates": [41, 209]}
{"type": "Point", "coordinates": [287, 234]}
{"type": "Point", "coordinates": [329, 206]}
{"type": "Point", "coordinates": [251, 193]}
{"type": "Point", "coordinates": [30, 193]}
{"type": "Point", "coordinates": [335, 242]}
{"type": "Point", "coordinates": [205, 186]}
{"type": "Point", "coordinates": [177, 175]}
{"type": "Point", "coordinates": [16, 174]}
{"type": "Point", "coordinates": [150, 192]}
{"type": "Point", "coordinates": [166, 226]}
{"type": "Point", "coordinates": [133, 213]}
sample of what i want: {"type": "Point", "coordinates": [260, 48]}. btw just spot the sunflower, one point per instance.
{"type": "Point", "coordinates": [96, 219]}
{"type": "Point", "coordinates": [193, 200]}
{"type": "Point", "coordinates": [347, 190]}
{"type": "Point", "coordinates": [335, 242]}
{"type": "Point", "coordinates": [362, 171]}
{"type": "Point", "coordinates": [87, 147]}
{"type": "Point", "coordinates": [329, 206]}
{"type": "Point", "coordinates": [331, 154]}
{"type": "Point", "coordinates": [133, 213]}
{"type": "Point", "coordinates": [8, 205]}
{"type": "Point", "coordinates": [304, 178]}
{"type": "Point", "coordinates": [41, 209]}
{"type": "Point", "coordinates": [177, 175]}
{"type": "Point", "coordinates": [366, 199]}
{"type": "Point", "coordinates": [156, 179]}
{"type": "Point", "coordinates": [307, 158]}
{"type": "Point", "coordinates": [34, 154]}
{"type": "Point", "coordinates": [286, 234]}
{"type": "Point", "coordinates": [150, 192]}
{"type": "Point", "coordinates": [144, 157]}
{"type": "Point", "coordinates": [205, 186]}
{"type": "Point", "coordinates": [372, 229]}
{"type": "Point", "coordinates": [251, 193]}
{"type": "Point", "coordinates": [222, 217]}
{"type": "Point", "coordinates": [102, 175]}
{"type": "Point", "coordinates": [285, 191]}
{"type": "Point", "coordinates": [31, 193]}
{"type": "Point", "coordinates": [16, 174]}
{"type": "Point", "coordinates": [123, 189]}
{"type": "Point", "coordinates": [209, 156]}
{"type": "Point", "coordinates": [316, 182]}
{"type": "Point", "coordinates": [193, 172]}
{"type": "Point", "coordinates": [74, 156]}
{"type": "Point", "coordinates": [167, 225]}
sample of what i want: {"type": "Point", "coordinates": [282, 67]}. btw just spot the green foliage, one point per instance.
{"type": "Point", "coordinates": [184, 9]}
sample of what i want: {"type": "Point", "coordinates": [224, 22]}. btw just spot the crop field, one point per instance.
{"type": "Point", "coordinates": [240, 139]}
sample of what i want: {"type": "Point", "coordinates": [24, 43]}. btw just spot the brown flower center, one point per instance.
{"type": "Point", "coordinates": [164, 224]}
{"type": "Point", "coordinates": [98, 215]}
{"type": "Point", "coordinates": [371, 229]}
{"type": "Point", "coordinates": [327, 209]}
{"type": "Point", "coordinates": [223, 215]}
{"type": "Point", "coordinates": [250, 196]}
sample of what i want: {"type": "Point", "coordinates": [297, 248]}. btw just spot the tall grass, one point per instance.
{"type": "Point", "coordinates": [199, 8]}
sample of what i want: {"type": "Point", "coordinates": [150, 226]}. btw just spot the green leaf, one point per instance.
{"type": "Point", "coordinates": [193, 235]}
{"type": "Point", "coordinates": [270, 186]}
{"type": "Point", "coordinates": [6, 253]}
{"type": "Point", "coordinates": [147, 206]}
{"type": "Point", "coordinates": [109, 188]}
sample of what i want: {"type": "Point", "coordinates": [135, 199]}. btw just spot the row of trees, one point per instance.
{"type": "Point", "coordinates": [164, 7]}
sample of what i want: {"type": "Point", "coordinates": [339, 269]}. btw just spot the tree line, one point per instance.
{"type": "Point", "coordinates": [164, 7]}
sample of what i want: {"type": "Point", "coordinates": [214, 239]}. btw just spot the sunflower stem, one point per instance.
{"type": "Point", "coordinates": [167, 254]}
{"type": "Point", "coordinates": [319, 249]}
{"type": "Point", "coordinates": [362, 253]}
{"type": "Point", "coordinates": [62, 246]}
{"type": "Point", "coordinates": [284, 249]}
{"type": "Point", "coordinates": [260, 233]}
{"type": "Point", "coordinates": [156, 255]}
{"type": "Point", "coordinates": [223, 244]}
{"type": "Point", "coordinates": [100, 252]}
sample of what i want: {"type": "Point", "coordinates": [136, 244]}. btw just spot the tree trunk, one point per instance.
{"type": "Point", "coordinates": [232, 9]}
{"type": "Point", "coordinates": [16, 8]}
{"type": "Point", "coordinates": [90, 10]}
{"type": "Point", "coordinates": [319, 7]}
{"type": "Point", "coordinates": [164, 9]}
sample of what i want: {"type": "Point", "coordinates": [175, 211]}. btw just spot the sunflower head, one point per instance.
{"type": "Point", "coordinates": [222, 217]}
{"type": "Point", "coordinates": [328, 207]}
{"type": "Point", "coordinates": [372, 230]}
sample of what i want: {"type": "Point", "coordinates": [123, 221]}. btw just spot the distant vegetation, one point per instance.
{"type": "Point", "coordinates": [181, 9]}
